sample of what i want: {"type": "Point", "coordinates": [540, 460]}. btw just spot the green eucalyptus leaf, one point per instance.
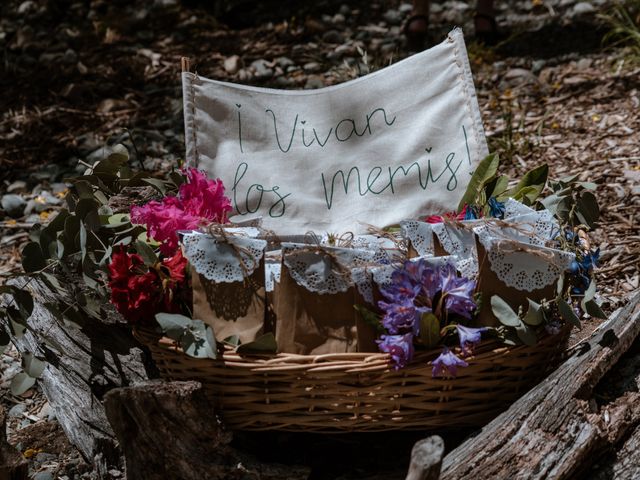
{"type": "Point", "coordinates": [532, 183]}
{"type": "Point", "coordinates": [429, 330]}
{"type": "Point", "coordinates": [370, 318]}
{"type": "Point", "coordinates": [146, 252]}
{"type": "Point", "coordinates": [587, 209]}
{"type": "Point", "coordinates": [84, 206]}
{"type": "Point", "coordinates": [198, 340]}
{"type": "Point", "coordinates": [526, 334]}
{"type": "Point", "coordinates": [21, 383]}
{"type": "Point", "coordinates": [588, 185]}
{"type": "Point", "coordinates": [173, 324]}
{"type": "Point", "coordinates": [589, 294]}
{"type": "Point", "coordinates": [534, 314]}
{"type": "Point", "coordinates": [527, 195]}
{"type": "Point", "coordinates": [158, 184]}
{"type": "Point", "coordinates": [5, 340]}
{"type": "Point", "coordinates": [593, 309]}
{"type": "Point", "coordinates": [500, 189]}
{"type": "Point", "coordinates": [551, 203]}
{"type": "Point", "coordinates": [32, 365]}
{"type": "Point", "coordinates": [570, 178]}
{"type": "Point", "coordinates": [567, 312]}
{"type": "Point", "coordinates": [484, 172]}
{"type": "Point", "coordinates": [233, 340]}
{"type": "Point", "coordinates": [32, 258]}
{"type": "Point", "coordinates": [264, 344]}
{"type": "Point", "coordinates": [504, 313]}
{"type": "Point", "coordinates": [560, 285]}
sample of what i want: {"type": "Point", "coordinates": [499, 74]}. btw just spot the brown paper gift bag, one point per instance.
{"type": "Point", "coordinates": [543, 268]}
{"type": "Point", "coordinates": [315, 299]}
{"type": "Point", "coordinates": [228, 283]}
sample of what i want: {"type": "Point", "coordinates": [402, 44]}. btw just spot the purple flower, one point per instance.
{"type": "Point", "coordinates": [402, 287]}
{"type": "Point", "coordinates": [446, 365]}
{"type": "Point", "coordinates": [401, 316]}
{"type": "Point", "coordinates": [469, 337]}
{"type": "Point", "coordinates": [400, 347]}
{"type": "Point", "coordinates": [457, 292]}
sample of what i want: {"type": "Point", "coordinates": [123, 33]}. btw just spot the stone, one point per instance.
{"type": "Point", "coordinates": [44, 457]}
{"type": "Point", "coordinates": [13, 205]}
{"type": "Point", "coordinates": [17, 410]}
{"type": "Point", "coordinates": [583, 8]}
{"type": "Point", "coordinates": [70, 57]}
{"type": "Point", "coordinates": [43, 475]}
{"type": "Point", "coordinates": [284, 62]}
{"type": "Point", "coordinates": [345, 10]}
{"type": "Point", "coordinates": [339, 19]}
{"type": "Point", "coordinates": [17, 186]}
{"type": "Point", "coordinates": [232, 64]}
{"type": "Point", "coordinates": [584, 63]}
{"type": "Point", "coordinates": [313, 82]}
{"type": "Point", "coordinates": [312, 67]}
{"type": "Point", "coordinates": [405, 8]}
{"type": "Point", "coordinates": [27, 7]}
{"type": "Point", "coordinates": [537, 66]}
{"type": "Point", "coordinates": [392, 17]}
{"type": "Point", "coordinates": [332, 36]}
{"type": "Point", "coordinates": [262, 69]}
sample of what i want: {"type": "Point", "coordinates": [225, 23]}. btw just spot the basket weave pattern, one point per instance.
{"type": "Point", "coordinates": [358, 391]}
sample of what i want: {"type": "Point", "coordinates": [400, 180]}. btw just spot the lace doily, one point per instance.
{"type": "Point", "coordinates": [513, 207]}
{"type": "Point", "coordinates": [419, 234]}
{"type": "Point", "coordinates": [222, 260]}
{"type": "Point", "coordinates": [459, 242]}
{"type": "Point", "coordinates": [326, 270]}
{"type": "Point", "coordinates": [522, 265]}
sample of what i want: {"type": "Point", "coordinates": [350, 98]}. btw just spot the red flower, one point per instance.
{"type": "Point", "coordinates": [139, 292]}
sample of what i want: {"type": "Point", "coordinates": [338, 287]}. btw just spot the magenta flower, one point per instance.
{"type": "Point", "coordinates": [469, 337]}
{"type": "Point", "coordinates": [204, 198]}
{"type": "Point", "coordinates": [447, 363]}
{"type": "Point", "coordinates": [457, 292]}
{"type": "Point", "coordinates": [199, 201]}
{"type": "Point", "coordinates": [400, 347]}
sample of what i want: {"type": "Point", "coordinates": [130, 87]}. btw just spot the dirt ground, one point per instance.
{"type": "Point", "coordinates": [80, 74]}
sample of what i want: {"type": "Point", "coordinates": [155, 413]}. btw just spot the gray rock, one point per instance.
{"type": "Point", "coordinates": [339, 19]}
{"type": "Point", "coordinates": [344, 9]}
{"type": "Point", "coordinates": [44, 475]}
{"type": "Point", "coordinates": [13, 204]}
{"type": "Point", "coordinates": [244, 75]}
{"type": "Point", "coordinates": [27, 7]}
{"type": "Point", "coordinates": [43, 457]}
{"type": "Point", "coordinates": [405, 8]}
{"type": "Point", "coordinates": [312, 67]}
{"type": "Point", "coordinates": [537, 66]}
{"type": "Point", "coordinates": [313, 82]}
{"type": "Point", "coordinates": [584, 63]}
{"type": "Point", "coordinates": [17, 186]}
{"type": "Point", "coordinates": [262, 69]}
{"type": "Point", "coordinates": [232, 64]}
{"type": "Point", "coordinates": [583, 8]}
{"type": "Point", "coordinates": [17, 410]}
{"type": "Point", "coordinates": [332, 36]}
{"type": "Point", "coordinates": [70, 57]}
{"type": "Point", "coordinates": [392, 17]}
{"type": "Point", "coordinates": [284, 62]}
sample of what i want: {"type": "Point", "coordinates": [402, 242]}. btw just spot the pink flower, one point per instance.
{"type": "Point", "coordinates": [199, 201]}
{"type": "Point", "coordinates": [204, 198]}
{"type": "Point", "coordinates": [163, 220]}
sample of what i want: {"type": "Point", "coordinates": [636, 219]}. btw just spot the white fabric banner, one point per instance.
{"type": "Point", "coordinates": [395, 144]}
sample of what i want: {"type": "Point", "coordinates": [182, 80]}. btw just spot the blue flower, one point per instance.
{"type": "Point", "coordinates": [582, 270]}
{"type": "Point", "coordinates": [469, 337]}
{"type": "Point", "coordinates": [496, 208]}
{"type": "Point", "coordinates": [447, 363]}
{"type": "Point", "coordinates": [400, 347]}
{"type": "Point", "coordinates": [457, 292]}
{"type": "Point", "coordinates": [401, 316]}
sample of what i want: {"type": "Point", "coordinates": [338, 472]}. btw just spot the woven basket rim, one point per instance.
{"type": "Point", "coordinates": [488, 349]}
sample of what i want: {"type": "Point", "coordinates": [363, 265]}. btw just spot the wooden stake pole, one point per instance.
{"type": "Point", "coordinates": [185, 64]}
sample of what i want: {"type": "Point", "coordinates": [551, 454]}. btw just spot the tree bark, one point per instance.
{"type": "Point", "coordinates": [168, 430]}
{"type": "Point", "coordinates": [426, 459]}
{"type": "Point", "coordinates": [12, 465]}
{"type": "Point", "coordinates": [83, 363]}
{"type": "Point", "coordinates": [557, 430]}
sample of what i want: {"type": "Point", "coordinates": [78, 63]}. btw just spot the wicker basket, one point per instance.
{"type": "Point", "coordinates": [358, 391]}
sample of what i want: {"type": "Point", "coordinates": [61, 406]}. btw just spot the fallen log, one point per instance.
{"type": "Point", "coordinates": [12, 465]}
{"type": "Point", "coordinates": [168, 430]}
{"type": "Point", "coordinates": [83, 363]}
{"type": "Point", "coordinates": [557, 430]}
